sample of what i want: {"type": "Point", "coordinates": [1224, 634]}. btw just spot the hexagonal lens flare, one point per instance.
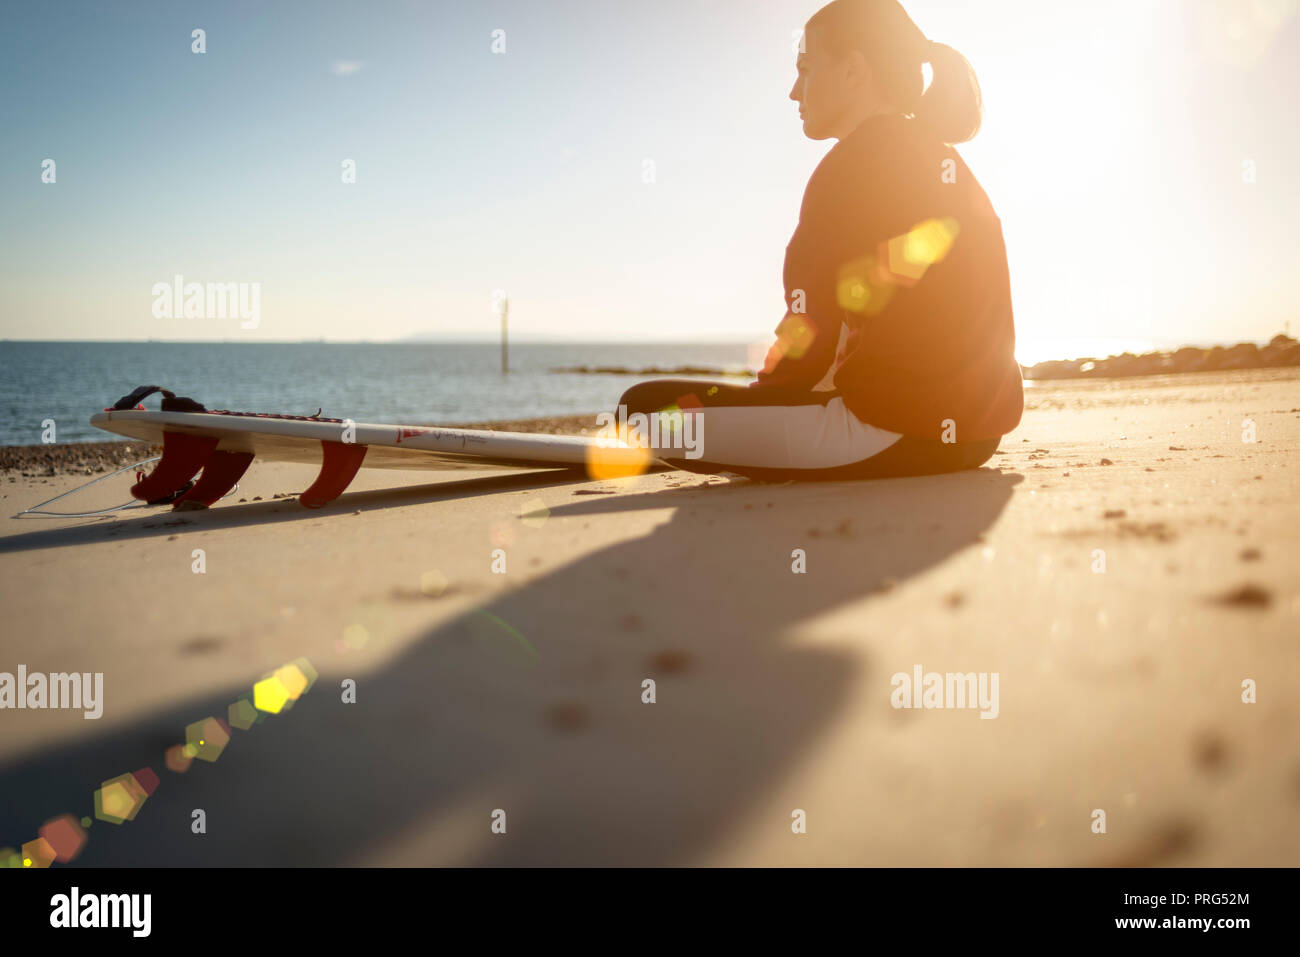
{"type": "Point", "coordinates": [65, 835]}
{"type": "Point", "coordinates": [119, 799]}
{"type": "Point", "coordinates": [207, 738]}
{"type": "Point", "coordinates": [38, 853]}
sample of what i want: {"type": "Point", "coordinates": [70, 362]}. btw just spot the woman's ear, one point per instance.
{"type": "Point", "coordinates": [856, 71]}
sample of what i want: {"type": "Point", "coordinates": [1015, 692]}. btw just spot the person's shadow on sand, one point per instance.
{"type": "Point", "coordinates": [533, 702]}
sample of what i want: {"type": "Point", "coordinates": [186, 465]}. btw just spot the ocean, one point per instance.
{"type": "Point", "coordinates": [418, 383]}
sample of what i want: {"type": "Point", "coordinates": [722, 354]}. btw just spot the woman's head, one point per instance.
{"type": "Point", "coordinates": [862, 57]}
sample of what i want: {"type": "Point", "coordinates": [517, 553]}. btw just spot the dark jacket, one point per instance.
{"type": "Point", "coordinates": [897, 240]}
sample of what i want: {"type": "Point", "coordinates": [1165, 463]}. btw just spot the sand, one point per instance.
{"type": "Point", "coordinates": [479, 693]}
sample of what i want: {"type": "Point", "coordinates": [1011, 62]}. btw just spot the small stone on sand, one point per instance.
{"type": "Point", "coordinates": [1246, 596]}
{"type": "Point", "coordinates": [568, 716]}
{"type": "Point", "coordinates": [671, 661]}
{"type": "Point", "coordinates": [1209, 751]}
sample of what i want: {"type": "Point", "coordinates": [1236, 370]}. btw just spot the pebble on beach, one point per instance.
{"type": "Point", "coordinates": [1246, 596]}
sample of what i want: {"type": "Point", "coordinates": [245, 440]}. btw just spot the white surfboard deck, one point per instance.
{"type": "Point", "coordinates": [298, 439]}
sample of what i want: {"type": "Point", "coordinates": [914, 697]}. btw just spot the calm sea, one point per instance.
{"type": "Point", "coordinates": [417, 383]}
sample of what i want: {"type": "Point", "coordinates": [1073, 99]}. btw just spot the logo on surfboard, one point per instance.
{"type": "Point", "coordinates": [404, 433]}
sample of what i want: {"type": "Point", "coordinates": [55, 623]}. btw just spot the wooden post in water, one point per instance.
{"type": "Point", "coordinates": [505, 312]}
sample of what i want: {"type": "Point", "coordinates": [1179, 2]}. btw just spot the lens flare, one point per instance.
{"type": "Point", "coordinates": [38, 853]}
{"type": "Point", "coordinates": [178, 758]}
{"type": "Point", "coordinates": [502, 640]}
{"type": "Point", "coordinates": [1242, 33]}
{"type": "Point", "coordinates": [910, 255]}
{"type": "Point", "coordinates": [501, 534]}
{"type": "Point", "coordinates": [147, 780]}
{"type": "Point", "coordinates": [65, 836]}
{"type": "Point", "coordinates": [863, 286]}
{"type": "Point", "coordinates": [207, 737]}
{"type": "Point", "coordinates": [241, 714]}
{"type": "Point", "coordinates": [119, 799]}
{"type": "Point", "coordinates": [270, 694]}
{"type": "Point", "coordinates": [534, 513]}
{"type": "Point", "coordinates": [307, 671]}
{"type": "Point", "coordinates": [617, 460]}
{"type": "Point", "coordinates": [293, 680]}
{"type": "Point", "coordinates": [794, 337]}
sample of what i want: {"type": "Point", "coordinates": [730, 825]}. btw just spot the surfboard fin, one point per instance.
{"type": "Point", "coordinates": [183, 456]}
{"type": "Point", "coordinates": [339, 464]}
{"type": "Point", "coordinates": [220, 474]}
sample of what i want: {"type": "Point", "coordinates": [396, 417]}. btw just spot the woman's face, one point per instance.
{"type": "Point", "coordinates": [821, 88]}
{"type": "Point", "coordinates": [834, 93]}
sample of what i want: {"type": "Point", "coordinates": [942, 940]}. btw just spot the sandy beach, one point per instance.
{"type": "Point", "coordinates": [1124, 563]}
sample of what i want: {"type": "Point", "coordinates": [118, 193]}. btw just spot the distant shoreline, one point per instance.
{"type": "Point", "coordinates": [1281, 351]}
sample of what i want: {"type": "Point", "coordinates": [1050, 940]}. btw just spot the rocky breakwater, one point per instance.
{"type": "Point", "coordinates": [1280, 351]}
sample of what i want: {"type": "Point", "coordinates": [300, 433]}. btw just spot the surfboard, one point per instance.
{"type": "Point", "coordinates": [221, 445]}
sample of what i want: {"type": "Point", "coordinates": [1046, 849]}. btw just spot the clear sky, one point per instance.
{"type": "Point", "coordinates": [1113, 150]}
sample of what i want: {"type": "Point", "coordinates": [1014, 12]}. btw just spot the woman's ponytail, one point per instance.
{"type": "Point", "coordinates": [952, 107]}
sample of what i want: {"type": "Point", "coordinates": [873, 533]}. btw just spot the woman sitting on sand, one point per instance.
{"type": "Point", "coordinates": [897, 264]}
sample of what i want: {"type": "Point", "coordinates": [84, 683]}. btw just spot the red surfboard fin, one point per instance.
{"type": "Point", "coordinates": [183, 456]}
{"type": "Point", "coordinates": [220, 474]}
{"type": "Point", "coordinates": [339, 464]}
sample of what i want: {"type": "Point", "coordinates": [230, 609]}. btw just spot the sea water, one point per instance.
{"type": "Point", "coordinates": [417, 383]}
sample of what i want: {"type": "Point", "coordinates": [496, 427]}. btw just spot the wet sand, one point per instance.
{"type": "Point", "coordinates": [1123, 565]}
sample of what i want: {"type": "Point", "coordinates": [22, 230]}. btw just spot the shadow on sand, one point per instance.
{"type": "Point", "coordinates": [532, 702]}
{"type": "Point", "coordinates": [163, 520]}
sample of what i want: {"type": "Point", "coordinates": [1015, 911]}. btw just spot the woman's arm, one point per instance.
{"type": "Point", "coordinates": [809, 335]}
{"type": "Point", "coordinates": [802, 356]}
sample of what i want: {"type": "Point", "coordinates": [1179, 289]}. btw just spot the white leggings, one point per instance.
{"type": "Point", "coordinates": [779, 434]}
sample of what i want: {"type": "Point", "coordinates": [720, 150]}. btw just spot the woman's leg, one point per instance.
{"type": "Point", "coordinates": [778, 435]}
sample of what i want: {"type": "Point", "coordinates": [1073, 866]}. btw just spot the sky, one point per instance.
{"type": "Point", "coordinates": [1142, 156]}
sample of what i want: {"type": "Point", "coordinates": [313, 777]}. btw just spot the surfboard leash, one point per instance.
{"type": "Point", "coordinates": [166, 500]}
